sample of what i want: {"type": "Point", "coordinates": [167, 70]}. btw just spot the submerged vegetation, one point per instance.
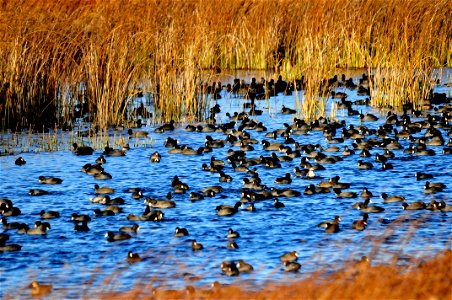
{"type": "Point", "coordinates": [60, 60]}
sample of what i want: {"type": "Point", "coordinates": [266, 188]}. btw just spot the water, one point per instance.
{"type": "Point", "coordinates": [68, 259]}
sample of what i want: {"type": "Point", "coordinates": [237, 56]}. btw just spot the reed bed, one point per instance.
{"type": "Point", "coordinates": [429, 280]}
{"type": "Point", "coordinates": [426, 278]}
{"type": "Point", "coordinates": [63, 60]}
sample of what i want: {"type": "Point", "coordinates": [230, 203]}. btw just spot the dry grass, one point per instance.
{"type": "Point", "coordinates": [430, 279]}
{"type": "Point", "coordinates": [60, 59]}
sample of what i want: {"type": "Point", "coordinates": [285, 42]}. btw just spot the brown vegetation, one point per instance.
{"type": "Point", "coordinates": [430, 279]}
{"type": "Point", "coordinates": [62, 59]}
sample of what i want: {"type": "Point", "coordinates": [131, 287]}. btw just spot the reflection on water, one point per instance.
{"type": "Point", "coordinates": [68, 258]}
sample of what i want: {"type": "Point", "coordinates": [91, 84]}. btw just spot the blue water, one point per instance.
{"type": "Point", "coordinates": [83, 262]}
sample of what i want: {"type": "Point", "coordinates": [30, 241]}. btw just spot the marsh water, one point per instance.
{"type": "Point", "coordinates": [68, 259]}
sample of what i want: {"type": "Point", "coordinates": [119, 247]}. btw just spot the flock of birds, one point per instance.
{"type": "Point", "coordinates": [427, 137]}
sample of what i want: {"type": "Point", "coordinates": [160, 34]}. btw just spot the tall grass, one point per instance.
{"type": "Point", "coordinates": [429, 280]}
{"type": "Point", "coordinates": [62, 59]}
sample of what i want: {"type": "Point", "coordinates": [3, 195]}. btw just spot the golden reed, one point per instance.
{"type": "Point", "coordinates": [60, 59]}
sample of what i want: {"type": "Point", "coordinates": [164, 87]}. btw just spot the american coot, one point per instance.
{"type": "Point", "coordinates": [224, 177]}
{"type": "Point", "coordinates": [226, 210]}
{"type": "Point", "coordinates": [155, 157]}
{"type": "Point", "coordinates": [243, 266]}
{"type": "Point", "coordinates": [364, 165]}
{"type": "Point", "coordinates": [195, 246]}
{"type": "Point", "coordinates": [20, 161]}
{"type": "Point", "coordinates": [332, 228]}
{"type": "Point", "coordinates": [181, 232]}
{"type": "Point", "coordinates": [101, 160]}
{"type": "Point", "coordinates": [138, 194]}
{"type": "Point", "coordinates": [152, 215]}
{"type": "Point", "coordinates": [102, 175]}
{"type": "Point", "coordinates": [134, 228]}
{"type": "Point", "coordinates": [138, 133]}
{"type": "Point", "coordinates": [120, 236]}
{"type": "Point", "coordinates": [250, 207]}
{"type": "Point", "coordinates": [103, 213]}
{"type": "Point", "coordinates": [433, 188]}
{"type": "Point", "coordinates": [232, 234]}
{"type": "Point", "coordinates": [50, 180]}
{"type": "Point", "coordinates": [82, 150]}
{"type": "Point", "coordinates": [366, 193]}
{"type": "Point", "coordinates": [360, 224]}
{"type": "Point", "coordinates": [366, 208]}
{"type": "Point", "coordinates": [132, 217]}
{"type": "Point", "coordinates": [10, 247]}
{"type": "Point", "coordinates": [114, 208]}
{"type": "Point", "coordinates": [49, 214]}
{"type": "Point", "coordinates": [3, 238]}
{"type": "Point", "coordinates": [92, 169]}
{"type": "Point", "coordinates": [37, 192]}
{"type": "Point", "coordinates": [103, 190]}
{"type": "Point", "coordinates": [102, 199]}
{"type": "Point", "coordinates": [287, 110]}
{"type": "Point", "coordinates": [444, 207]}
{"type": "Point", "coordinates": [229, 268]}
{"type": "Point", "coordinates": [196, 196]}
{"type": "Point", "coordinates": [133, 257]}
{"type": "Point", "coordinates": [394, 198]}
{"type": "Point", "coordinates": [39, 229]}
{"type": "Point", "coordinates": [81, 227]}
{"type": "Point", "coordinates": [291, 266]}
{"type": "Point", "coordinates": [419, 205]}
{"type": "Point", "coordinates": [9, 226]}
{"type": "Point", "coordinates": [284, 180]}
{"type": "Point", "coordinates": [80, 217]}
{"type": "Point", "coordinates": [40, 290]}
{"type": "Point", "coordinates": [289, 256]}
{"type": "Point", "coordinates": [324, 224]}
{"type": "Point", "coordinates": [284, 192]}
{"type": "Point", "coordinates": [9, 211]}
{"type": "Point", "coordinates": [340, 194]}
{"type": "Point", "coordinates": [160, 203]}
{"type": "Point", "coordinates": [232, 245]}
{"type": "Point", "coordinates": [278, 204]}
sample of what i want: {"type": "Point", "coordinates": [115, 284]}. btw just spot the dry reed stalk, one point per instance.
{"type": "Point", "coordinates": [57, 55]}
{"type": "Point", "coordinates": [430, 279]}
